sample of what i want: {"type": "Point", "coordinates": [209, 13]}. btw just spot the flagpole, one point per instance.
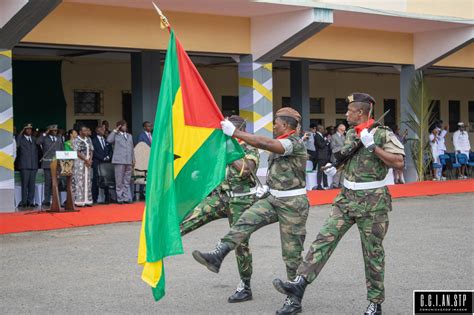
{"type": "Point", "coordinates": [163, 20]}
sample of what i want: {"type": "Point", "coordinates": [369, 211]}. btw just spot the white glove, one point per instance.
{"type": "Point", "coordinates": [330, 171]}
{"type": "Point", "coordinates": [367, 138]}
{"type": "Point", "coordinates": [227, 127]}
{"type": "Point", "coordinates": [262, 190]}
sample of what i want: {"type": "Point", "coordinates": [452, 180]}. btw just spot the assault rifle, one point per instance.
{"type": "Point", "coordinates": [343, 157]}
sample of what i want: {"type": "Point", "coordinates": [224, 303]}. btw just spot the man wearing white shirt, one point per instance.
{"type": "Point", "coordinates": [441, 138]}
{"type": "Point", "coordinates": [462, 145]}
{"type": "Point", "coordinates": [435, 153]}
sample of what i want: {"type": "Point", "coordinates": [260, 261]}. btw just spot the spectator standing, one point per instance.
{"type": "Point", "coordinates": [70, 136]}
{"type": "Point", "coordinates": [462, 145]}
{"type": "Point", "coordinates": [435, 153]}
{"type": "Point", "coordinates": [27, 160]}
{"type": "Point", "coordinates": [337, 142]}
{"type": "Point", "coordinates": [123, 160]}
{"type": "Point", "coordinates": [105, 124]}
{"type": "Point", "coordinates": [398, 173]}
{"type": "Point", "coordinates": [82, 175]}
{"type": "Point", "coordinates": [308, 141]}
{"type": "Point", "coordinates": [322, 153]}
{"type": "Point", "coordinates": [442, 132]}
{"type": "Point", "coordinates": [102, 154]}
{"type": "Point", "coordinates": [50, 143]}
{"type": "Point", "coordinates": [145, 135]}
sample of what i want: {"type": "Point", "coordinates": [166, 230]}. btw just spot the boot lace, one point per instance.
{"type": "Point", "coordinates": [288, 301]}
{"type": "Point", "coordinates": [372, 307]}
{"type": "Point", "coordinates": [241, 286]}
{"type": "Point", "coordinates": [216, 250]}
{"type": "Point", "coordinates": [296, 280]}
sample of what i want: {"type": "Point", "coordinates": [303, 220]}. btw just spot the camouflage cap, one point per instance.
{"type": "Point", "coordinates": [288, 112]}
{"type": "Point", "coordinates": [360, 97]}
{"type": "Point", "coordinates": [52, 127]}
{"type": "Point", "coordinates": [28, 126]}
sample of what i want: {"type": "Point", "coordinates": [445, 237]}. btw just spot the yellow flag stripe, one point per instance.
{"type": "Point", "coordinates": [186, 139]}
{"type": "Point", "coordinates": [151, 270]}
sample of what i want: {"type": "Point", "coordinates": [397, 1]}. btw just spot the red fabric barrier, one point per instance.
{"type": "Point", "coordinates": [105, 214]}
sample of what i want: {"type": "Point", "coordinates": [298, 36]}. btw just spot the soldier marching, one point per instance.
{"type": "Point", "coordinates": [283, 200]}
{"type": "Point", "coordinates": [364, 200]}
{"type": "Point", "coordinates": [229, 200]}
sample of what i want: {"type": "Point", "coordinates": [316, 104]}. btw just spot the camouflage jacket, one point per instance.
{"type": "Point", "coordinates": [365, 166]}
{"type": "Point", "coordinates": [237, 182]}
{"type": "Point", "coordinates": [287, 172]}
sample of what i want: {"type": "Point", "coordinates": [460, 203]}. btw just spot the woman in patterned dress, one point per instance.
{"type": "Point", "coordinates": [82, 176]}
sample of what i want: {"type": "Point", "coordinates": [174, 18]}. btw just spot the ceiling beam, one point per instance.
{"type": "Point", "coordinates": [25, 19]}
{"type": "Point", "coordinates": [272, 36]}
{"type": "Point", "coordinates": [431, 47]}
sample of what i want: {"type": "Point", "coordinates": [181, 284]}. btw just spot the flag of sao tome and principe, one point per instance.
{"type": "Point", "coordinates": [188, 158]}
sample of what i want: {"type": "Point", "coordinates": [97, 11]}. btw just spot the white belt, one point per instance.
{"type": "Point", "coordinates": [287, 193]}
{"type": "Point", "coordinates": [361, 186]}
{"type": "Point", "coordinates": [252, 191]}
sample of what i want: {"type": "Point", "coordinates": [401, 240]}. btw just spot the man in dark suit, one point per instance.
{"type": "Point", "coordinates": [322, 153]}
{"type": "Point", "coordinates": [50, 143]}
{"type": "Point", "coordinates": [27, 162]}
{"type": "Point", "coordinates": [145, 135]}
{"type": "Point", "coordinates": [102, 154]}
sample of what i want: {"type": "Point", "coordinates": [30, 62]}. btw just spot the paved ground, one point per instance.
{"type": "Point", "coordinates": [92, 270]}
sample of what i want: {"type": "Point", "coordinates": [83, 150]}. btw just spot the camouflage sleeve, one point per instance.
{"type": "Point", "coordinates": [252, 154]}
{"type": "Point", "coordinates": [350, 142]}
{"type": "Point", "coordinates": [392, 144]}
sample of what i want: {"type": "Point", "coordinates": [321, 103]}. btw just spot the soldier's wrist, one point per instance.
{"type": "Point", "coordinates": [372, 147]}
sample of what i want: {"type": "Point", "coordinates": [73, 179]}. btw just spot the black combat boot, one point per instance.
{"type": "Point", "coordinates": [242, 294]}
{"type": "Point", "coordinates": [374, 309]}
{"type": "Point", "coordinates": [294, 288]}
{"type": "Point", "coordinates": [292, 305]}
{"type": "Point", "coordinates": [213, 259]}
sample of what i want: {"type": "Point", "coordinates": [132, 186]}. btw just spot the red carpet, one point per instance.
{"type": "Point", "coordinates": [427, 188]}
{"type": "Point", "coordinates": [105, 214]}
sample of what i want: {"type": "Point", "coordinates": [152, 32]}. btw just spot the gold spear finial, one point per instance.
{"type": "Point", "coordinates": [163, 20]}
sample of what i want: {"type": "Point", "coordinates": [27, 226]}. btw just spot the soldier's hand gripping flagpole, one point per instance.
{"type": "Point", "coordinates": [345, 157]}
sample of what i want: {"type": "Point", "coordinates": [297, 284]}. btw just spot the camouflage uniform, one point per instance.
{"type": "Point", "coordinates": [367, 208]}
{"type": "Point", "coordinates": [285, 172]}
{"type": "Point", "coordinates": [221, 204]}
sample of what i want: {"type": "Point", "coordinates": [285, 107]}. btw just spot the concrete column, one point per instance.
{"type": "Point", "coordinates": [146, 81]}
{"type": "Point", "coordinates": [407, 74]}
{"type": "Point", "coordinates": [256, 99]}
{"type": "Point", "coordinates": [299, 86]}
{"type": "Point", "coordinates": [7, 146]}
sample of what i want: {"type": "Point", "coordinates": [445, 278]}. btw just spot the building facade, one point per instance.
{"type": "Point", "coordinates": [83, 61]}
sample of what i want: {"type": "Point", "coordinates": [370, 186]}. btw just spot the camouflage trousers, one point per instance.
{"type": "Point", "coordinates": [217, 206]}
{"type": "Point", "coordinates": [372, 227]}
{"type": "Point", "coordinates": [290, 212]}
